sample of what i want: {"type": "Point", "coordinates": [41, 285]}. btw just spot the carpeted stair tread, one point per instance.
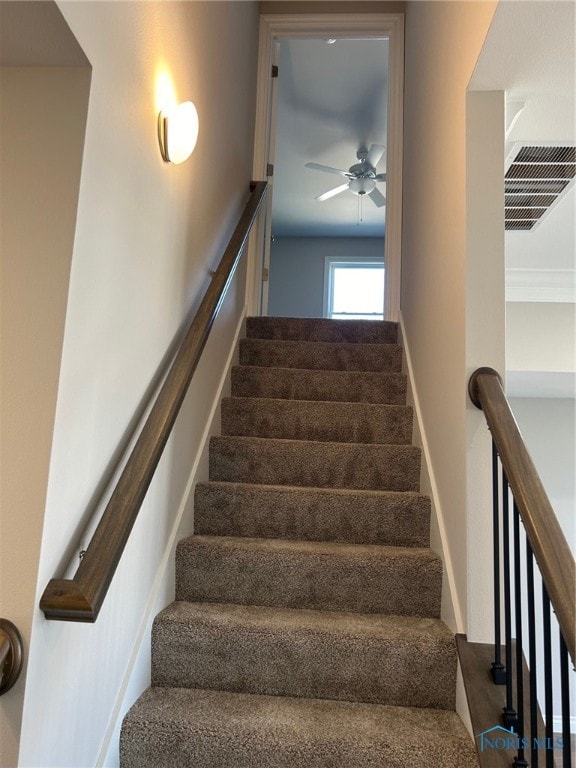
{"type": "Point", "coordinates": [304, 384]}
{"type": "Point", "coordinates": [321, 355]}
{"type": "Point", "coordinates": [315, 514]}
{"type": "Point", "coordinates": [322, 329]}
{"type": "Point", "coordinates": [314, 463]}
{"type": "Point", "coordinates": [328, 576]}
{"type": "Point", "coordinates": [317, 420]}
{"type": "Point", "coordinates": [180, 728]}
{"type": "Point", "coordinates": [377, 659]}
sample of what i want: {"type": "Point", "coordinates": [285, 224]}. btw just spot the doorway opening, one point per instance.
{"type": "Point", "coordinates": [330, 124]}
{"type": "Point", "coordinates": [329, 188]}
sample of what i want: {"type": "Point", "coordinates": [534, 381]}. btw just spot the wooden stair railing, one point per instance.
{"type": "Point", "coordinates": [80, 598]}
{"type": "Point", "coordinates": [546, 538]}
{"type": "Point", "coordinates": [516, 480]}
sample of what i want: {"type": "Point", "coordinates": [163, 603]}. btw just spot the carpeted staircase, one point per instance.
{"type": "Point", "coordinates": [306, 630]}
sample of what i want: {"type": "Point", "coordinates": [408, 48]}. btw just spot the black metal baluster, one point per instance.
{"type": "Point", "coordinates": [509, 717]}
{"type": "Point", "coordinates": [532, 657]}
{"type": "Point", "coordinates": [565, 698]}
{"type": "Point", "coordinates": [548, 707]}
{"type": "Point", "coordinates": [498, 669]}
{"type": "Point", "coordinates": [520, 760]}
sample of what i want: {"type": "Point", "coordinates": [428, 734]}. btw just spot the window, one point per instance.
{"type": "Point", "coordinates": [354, 288]}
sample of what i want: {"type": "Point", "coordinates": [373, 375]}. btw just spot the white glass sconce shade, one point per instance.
{"type": "Point", "coordinates": [178, 132]}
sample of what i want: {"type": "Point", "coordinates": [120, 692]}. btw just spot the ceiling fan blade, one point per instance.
{"type": "Point", "coordinates": [377, 197]}
{"type": "Point", "coordinates": [380, 177]}
{"type": "Point", "coordinates": [375, 154]}
{"type": "Point", "coordinates": [327, 168]}
{"type": "Point", "coordinates": [331, 193]}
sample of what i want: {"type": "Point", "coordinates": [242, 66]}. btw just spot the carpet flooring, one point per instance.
{"type": "Point", "coordinates": [306, 627]}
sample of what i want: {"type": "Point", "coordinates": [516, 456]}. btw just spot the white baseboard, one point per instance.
{"type": "Point", "coordinates": [147, 616]}
{"type": "Point", "coordinates": [436, 504]}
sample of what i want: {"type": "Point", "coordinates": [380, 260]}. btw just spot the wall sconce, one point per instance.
{"type": "Point", "coordinates": [178, 132]}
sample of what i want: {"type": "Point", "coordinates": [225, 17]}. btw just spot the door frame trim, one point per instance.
{"type": "Point", "coordinates": [365, 25]}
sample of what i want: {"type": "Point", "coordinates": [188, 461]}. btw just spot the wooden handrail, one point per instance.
{"type": "Point", "coordinates": [546, 538]}
{"type": "Point", "coordinates": [80, 598]}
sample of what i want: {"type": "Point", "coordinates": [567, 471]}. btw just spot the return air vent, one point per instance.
{"type": "Point", "coordinates": [537, 176]}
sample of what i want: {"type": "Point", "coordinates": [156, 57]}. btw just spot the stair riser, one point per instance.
{"type": "Point", "coordinates": [321, 329]}
{"type": "Point", "coordinates": [303, 420]}
{"type": "Point", "coordinates": [212, 571]}
{"type": "Point", "coordinates": [218, 656]}
{"type": "Point", "coordinates": [301, 384]}
{"type": "Point", "coordinates": [314, 464]}
{"type": "Point", "coordinates": [328, 357]}
{"type": "Point", "coordinates": [401, 520]}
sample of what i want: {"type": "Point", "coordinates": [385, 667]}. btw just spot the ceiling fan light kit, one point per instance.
{"type": "Point", "coordinates": [362, 176]}
{"type": "Point", "coordinates": [361, 186]}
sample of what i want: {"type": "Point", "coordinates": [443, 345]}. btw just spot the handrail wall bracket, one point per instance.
{"type": "Point", "coordinates": [473, 392]}
{"type": "Point", "coordinates": [11, 655]}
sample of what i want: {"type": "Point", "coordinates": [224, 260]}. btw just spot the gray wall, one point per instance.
{"type": "Point", "coordinates": [548, 426]}
{"type": "Point", "coordinates": [297, 270]}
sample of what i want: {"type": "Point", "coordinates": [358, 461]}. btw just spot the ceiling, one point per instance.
{"type": "Point", "coordinates": [530, 54]}
{"type": "Point", "coordinates": [332, 100]}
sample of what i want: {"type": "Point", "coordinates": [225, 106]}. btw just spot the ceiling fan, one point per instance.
{"type": "Point", "coordinates": [362, 176]}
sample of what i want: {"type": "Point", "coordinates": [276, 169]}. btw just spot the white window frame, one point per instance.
{"type": "Point", "coordinates": [330, 262]}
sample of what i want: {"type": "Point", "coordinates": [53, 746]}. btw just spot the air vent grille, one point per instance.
{"type": "Point", "coordinates": [546, 155]}
{"type": "Point", "coordinates": [536, 178]}
{"type": "Point", "coordinates": [519, 224]}
{"type": "Point", "coordinates": [535, 186]}
{"type": "Point", "coordinates": [529, 201]}
{"type": "Point", "coordinates": [524, 213]}
{"type": "Point", "coordinates": [541, 171]}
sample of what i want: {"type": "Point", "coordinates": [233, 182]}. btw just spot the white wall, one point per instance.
{"type": "Point", "coordinates": [548, 426]}
{"type": "Point", "coordinates": [485, 324]}
{"type": "Point", "coordinates": [297, 270]}
{"type": "Point", "coordinates": [42, 121]}
{"type": "Point", "coordinates": [147, 235]}
{"type": "Point", "coordinates": [552, 244]}
{"type": "Point", "coordinates": [443, 41]}
{"type": "Point", "coordinates": [540, 336]}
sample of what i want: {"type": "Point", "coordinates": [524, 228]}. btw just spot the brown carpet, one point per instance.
{"type": "Point", "coordinates": [306, 629]}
